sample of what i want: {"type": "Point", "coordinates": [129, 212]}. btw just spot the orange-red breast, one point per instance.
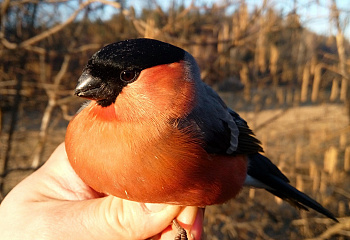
{"type": "Point", "coordinates": [155, 132]}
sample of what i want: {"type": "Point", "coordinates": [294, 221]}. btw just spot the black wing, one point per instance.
{"type": "Point", "coordinates": [223, 131]}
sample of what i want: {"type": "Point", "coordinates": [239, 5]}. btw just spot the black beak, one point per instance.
{"type": "Point", "coordinates": [104, 92]}
{"type": "Point", "coordinates": [90, 87]}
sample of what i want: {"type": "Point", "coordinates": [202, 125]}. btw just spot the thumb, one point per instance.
{"type": "Point", "coordinates": [117, 218]}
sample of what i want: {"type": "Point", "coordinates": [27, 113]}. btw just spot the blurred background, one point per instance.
{"type": "Point", "coordinates": [283, 65]}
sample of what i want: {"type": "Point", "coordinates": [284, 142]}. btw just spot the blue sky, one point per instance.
{"type": "Point", "coordinates": [314, 13]}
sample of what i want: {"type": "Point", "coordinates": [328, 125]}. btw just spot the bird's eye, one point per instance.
{"type": "Point", "coordinates": [128, 75]}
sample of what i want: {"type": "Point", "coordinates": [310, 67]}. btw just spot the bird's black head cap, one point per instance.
{"type": "Point", "coordinates": [138, 53]}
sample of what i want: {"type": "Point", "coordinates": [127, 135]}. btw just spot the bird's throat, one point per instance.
{"type": "Point", "coordinates": [103, 113]}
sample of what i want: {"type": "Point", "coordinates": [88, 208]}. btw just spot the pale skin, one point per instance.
{"type": "Point", "coordinates": [54, 203]}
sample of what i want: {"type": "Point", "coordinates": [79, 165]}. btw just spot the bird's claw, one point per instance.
{"type": "Point", "coordinates": [181, 234]}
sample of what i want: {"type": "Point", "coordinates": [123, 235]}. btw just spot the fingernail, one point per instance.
{"type": "Point", "coordinates": [154, 207]}
{"type": "Point", "coordinates": [197, 227]}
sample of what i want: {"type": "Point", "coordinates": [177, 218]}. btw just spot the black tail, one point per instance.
{"type": "Point", "coordinates": [263, 170]}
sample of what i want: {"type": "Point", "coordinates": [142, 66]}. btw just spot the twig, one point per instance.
{"type": "Point", "coordinates": [333, 230]}
{"type": "Point", "coordinates": [13, 123]}
{"type": "Point", "coordinates": [86, 47]}
{"type": "Point", "coordinates": [20, 169]}
{"type": "Point", "coordinates": [271, 119]}
{"type": "Point", "coordinates": [342, 192]}
{"type": "Point", "coordinates": [48, 112]}
{"type": "Point", "coordinates": [29, 42]}
{"type": "Point", "coordinates": [318, 220]}
{"type": "Point", "coordinates": [18, 3]}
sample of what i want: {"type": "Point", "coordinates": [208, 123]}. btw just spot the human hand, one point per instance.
{"type": "Point", "coordinates": [54, 203]}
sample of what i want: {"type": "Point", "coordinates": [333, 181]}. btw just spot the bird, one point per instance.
{"type": "Point", "coordinates": [154, 132]}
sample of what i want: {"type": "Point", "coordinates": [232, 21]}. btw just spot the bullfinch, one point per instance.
{"type": "Point", "coordinates": [154, 132]}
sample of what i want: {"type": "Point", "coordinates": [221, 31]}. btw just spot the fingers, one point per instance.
{"type": "Point", "coordinates": [132, 220]}
{"type": "Point", "coordinates": [197, 226]}
{"type": "Point", "coordinates": [191, 219]}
